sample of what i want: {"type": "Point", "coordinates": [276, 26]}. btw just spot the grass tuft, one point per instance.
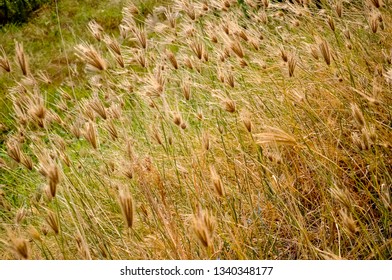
{"type": "Point", "coordinates": [197, 130]}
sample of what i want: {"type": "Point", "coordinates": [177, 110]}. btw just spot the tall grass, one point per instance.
{"type": "Point", "coordinates": [206, 130]}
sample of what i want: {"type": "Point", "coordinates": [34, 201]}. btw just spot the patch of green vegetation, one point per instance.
{"type": "Point", "coordinates": [18, 11]}
{"type": "Point", "coordinates": [49, 38]}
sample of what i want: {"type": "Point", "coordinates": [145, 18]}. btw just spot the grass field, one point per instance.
{"type": "Point", "coordinates": [218, 129]}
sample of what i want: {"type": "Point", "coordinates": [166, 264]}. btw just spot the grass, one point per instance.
{"type": "Point", "coordinates": [198, 130]}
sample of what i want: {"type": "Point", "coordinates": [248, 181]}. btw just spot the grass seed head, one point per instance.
{"type": "Point", "coordinates": [111, 128]}
{"type": "Point", "coordinates": [275, 136]}
{"type": "Point", "coordinates": [375, 3]}
{"type": "Point", "coordinates": [172, 59]}
{"type": "Point", "coordinates": [242, 34]}
{"type": "Point", "coordinates": [189, 10]}
{"type": "Point", "coordinates": [331, 23]}
{"type": "Point", "coordinates": [37, 113]}
{"type": "Point", "coordinates": [188, 63]}
{"type": "Point", "coordinates": [22, 59]}
{"type": "Point", "coordinates": [236, 47]}
{"type": "Point", "coordinates": [208, 62]}
{"type": "Point", "coordinates": [20, 215]}
{"type": "Point", "coordinates": [198, 48]}
{"type": "Point", "coordinates": [292, 62]}
{"type": "Point", "coordinates": [131, 8]}
{"type": "Point", "coordinates": [128, 171]}
{"type": "Point", "coordinates": [19, 246]}
{"type": "Point", "coordinates": [226, 53]}
{"type": "Point", "coordinates": [51, 171]}
{"type": "Point", "coordinates": [97, 105]}
{"type": "Point", "coordinates": [206, 141]}
{"type": "Point", "coordinates": [76, 129]}
{"type": "Point", "coordinates": [141, 37]}
{"type": "Point", "coordinates": [156, 83]}
{"type": "Point", "coordinates": [365, 139]}
{"type": "Point", "coordinates": [348, 222]}
{"type": "Point", "coordinates": [225, 26]}
{"type": "Point", "coordinates": [205, 6]}
{"type": "Point", "coordinates": [325, 52]}
{"type": "Point", "coordinates": [141, 58]}
{"type": "Point", "coordinates": [213, 37]}
{"type": "Point", "coordinates": [217, 182]}
{"type": "Point", "coordinates": [91, 56]}
{"type": "Point", "coordinates": [60, 143]}
{"type": "Point", "coordinates": [14, 150]}
{"type": "Point", "coordinates": [113, 45]}
{"type": "Point", "coordinates": [229, 79]}
{"type": "Point", "coordinates": [90, 134]}
{"type": "Point", "coordinates": [230, 106]}
{"type": "Point", "coordinates": [339, 8]}
{"type": "Point", "coordinates": [27, 162]}
{"type": "Point", "coordinates": [177, 119]}
{"type": "Point", "coordinates": [342, 196]}
{"type": "Point", "coordinates": [52, 220]}
{"type": "Point", "coordinates": [129, 151]}
{"type": "Point", "coordinates": [204, 227]}
{"type": "Point", "coordinates": [284, 55]}
{"type": "Point", "coordinates": [120, 60]}
{"type": "Point", "coordinates": [254, 43]}
{"type": "Point", "coordinates": [374, 22]}
{"type": "Point", "coordinates": [115, 111]}
{"type": "Point", "coordinates": [347, 33]}
{"type": "Point", "coordinates": [82, 247]}
{"type": "Point", "coordinates": [96, 30]}
{"type": "Point", "coordinates": [2, 165]}
{"type": "Point", "coordinates": [186, 90]}
{"type": "Point", "coordinates": [127, 207]}
{"type": "Point", "coordinates": [357, 115]}
{"type": "Point", "coordinates": [156, 135]}
{"type": "Point", "coordinates": [34, 233]}
{"type": "Point", "coordinates": [171, 17]}
{"type": "Point", "coordinates": [4, 61]}
{"type": "Point", "coordinates": [385, 193]}
{"type": "Point", "coordinates": [247, 122]}
{"type": "Point", "coordinates": [262, 17]}
{"type": "Point", "coordinates": [243, 63]}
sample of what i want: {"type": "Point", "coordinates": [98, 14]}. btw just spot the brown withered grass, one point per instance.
{"type": "Point", "coordinates": [206, 130]}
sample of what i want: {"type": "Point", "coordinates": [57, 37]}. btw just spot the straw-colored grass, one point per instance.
{"type": "Point", "coordinates": [203, 130]}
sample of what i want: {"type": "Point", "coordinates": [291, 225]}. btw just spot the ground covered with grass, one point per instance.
{"type": "Point", "coordinates": [187, 129]}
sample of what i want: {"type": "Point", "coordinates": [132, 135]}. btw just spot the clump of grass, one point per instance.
{"type": "Point", "coordinates": [90, 55]}
{"type": "Point", "coordinates": [4, 61]}
{"type": "Point", "coordinates": [22, 59]}
{"type": "Point", "coordinates": [19, 246]}
{"type": "Point", "coordinates": [204, 227]}
{"type": "Point", "coordinates": [202, 130]}
{"type": "Point", "coordinates": [127, 207]}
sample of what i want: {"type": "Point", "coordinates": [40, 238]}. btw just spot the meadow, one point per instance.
{"type": "Point", "coordinates": [194, 129]}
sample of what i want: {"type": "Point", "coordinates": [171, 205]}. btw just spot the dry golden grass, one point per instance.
{"type": "Point", "coordinates": [206, 130]}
